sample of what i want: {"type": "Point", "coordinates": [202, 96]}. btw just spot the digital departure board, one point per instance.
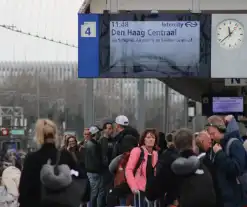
{"type": "Point", "coordinates": [144, 45]}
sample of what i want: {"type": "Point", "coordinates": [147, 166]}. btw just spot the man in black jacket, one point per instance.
{"type": "Point", "coordinates": [204, 144]}
{"type": "Point", "coordinates": [94, 167]}
{"type": "Point", "coordinates": [170, 153]}
{"type": "Point", "coordinates": [107, 141]}
{"type": "Point", "coordinates": [183, 174]}
{"type": "Point", "coordinates": [122, 128]}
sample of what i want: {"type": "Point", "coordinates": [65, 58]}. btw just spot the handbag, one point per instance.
{"type": "Point", "coordinates": [60, 187]}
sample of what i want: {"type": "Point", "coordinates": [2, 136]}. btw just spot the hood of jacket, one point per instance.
{"type": "Point", "coordinates": [52, 181]}
{"type": "Point", "coordinates": [6, 197]}
{"type": "Point", "coordinates": [10, 179]}
{"type": "Point", "coordinates": [187, 164]}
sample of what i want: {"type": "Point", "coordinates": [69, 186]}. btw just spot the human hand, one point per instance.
{"type": "Point", "coordinates": [217, 148]}
{"type": "Point", "coordinates": [106, 135]}
{"type": "Point", "coordinates": [135, 191]}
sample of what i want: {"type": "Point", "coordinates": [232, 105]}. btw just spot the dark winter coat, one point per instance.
{"type": "Point", "coordinates": [30, 184]}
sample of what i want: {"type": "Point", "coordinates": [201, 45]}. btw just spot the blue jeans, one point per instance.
{"type": "Point", "coordinates": [97, 195]}
{"type": "Point", "coordinates": [122, 201]}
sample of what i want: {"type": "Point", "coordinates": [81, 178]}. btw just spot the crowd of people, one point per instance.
{"type": "Point", "coordinates": [116, 166]}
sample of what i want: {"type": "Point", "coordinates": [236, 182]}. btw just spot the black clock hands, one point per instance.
{"type": "Point", "coordinates": [229, 35]}
{"type": "Point", "coordinates": [225, 38]}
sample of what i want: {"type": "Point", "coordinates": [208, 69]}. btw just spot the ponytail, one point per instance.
{"type": "Point", "coordinates": [45, 128]}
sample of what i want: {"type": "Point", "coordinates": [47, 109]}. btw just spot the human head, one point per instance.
{"type": "Point", "coordinates": [86, 134]}
{"type": "Point", "coordinates": [121, 122]}
{"type": "Point", "coordinates": [203, 141]}
{"type": "Point", "coordinates": [46, 131]}
{"type": "Point", "coordinates": [184, 140]}
{"type": "Point", "coordinates": [149, 138]}
{"type": "Point", "coordinates": [11, 156]}
{"type": "Point", "coordinates": [71, 141]}
{"type": "Point", "coordinates": [108, 129]}
{"type": "Point", "coordinates": [169, 140]}
{"type": "Point", "coordinates": [162, 141]}
{"type": "Point", "coordinates": [65, 140]}
{"type": "Point", "coordinates": [94, 132]}
{"type": "Point", "coordinates": [216, 127]}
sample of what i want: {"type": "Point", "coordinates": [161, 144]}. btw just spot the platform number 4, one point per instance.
{"type": "Point", "coordinates": [88, 29]}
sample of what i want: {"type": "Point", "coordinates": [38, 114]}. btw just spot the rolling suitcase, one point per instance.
{"type": "Point", "coordinates": [146, 203]}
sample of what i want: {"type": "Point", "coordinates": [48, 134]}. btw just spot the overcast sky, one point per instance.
{"type": "Point", "coordinates": [55, 19]}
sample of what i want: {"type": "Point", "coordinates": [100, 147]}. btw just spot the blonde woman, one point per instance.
{"type": "Point", "coordinates": [30, 185]}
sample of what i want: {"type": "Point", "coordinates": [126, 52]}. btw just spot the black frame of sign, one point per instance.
{"type": "Point", "coordinates": [204, 69]}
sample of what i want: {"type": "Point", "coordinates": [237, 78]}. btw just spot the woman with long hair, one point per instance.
{"type": "Point", "coordinates": [137, 182]}
{"type": "Point", "coordinates": [30, 184]}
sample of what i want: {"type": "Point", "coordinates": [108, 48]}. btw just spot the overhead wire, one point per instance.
{"type": "Point", "coordinates": [13, 28]}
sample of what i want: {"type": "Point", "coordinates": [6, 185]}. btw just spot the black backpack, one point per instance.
{"type": "Point", "coordinates": [197, 189]}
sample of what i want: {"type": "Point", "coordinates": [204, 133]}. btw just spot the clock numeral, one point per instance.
{"type": "Point", "coordinates": [239, 40]}
{"type": "Point", "coordinates": [240, 34]}
{"type": "Point", "coordinates": [230, 45]}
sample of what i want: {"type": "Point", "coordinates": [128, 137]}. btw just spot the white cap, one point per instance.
{"type": "Point", "coordinates": [93, 130]}
{"type": "Point", "coordinates": [122, 120]}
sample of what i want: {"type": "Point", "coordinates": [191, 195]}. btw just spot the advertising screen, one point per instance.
{"type": "Point", "coordinates": [228, 105]}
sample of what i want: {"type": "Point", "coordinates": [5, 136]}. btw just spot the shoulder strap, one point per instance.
{"type": "Point", "coordinates": [139, 162]}
{"type": "Point", "coordinates": [57, 162]}
{"type": "Point", "coordinates": [228, 145]}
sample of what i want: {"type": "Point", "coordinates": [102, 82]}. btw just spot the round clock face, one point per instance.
{"type": "Point", "coordinates": [230, 34]}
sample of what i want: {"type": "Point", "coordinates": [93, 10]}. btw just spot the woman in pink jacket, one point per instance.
{"type": "Point", "coordinates": [137, 182]}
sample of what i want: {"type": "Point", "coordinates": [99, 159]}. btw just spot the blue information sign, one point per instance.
{"type": "Point", "coordinates": [88, 45]}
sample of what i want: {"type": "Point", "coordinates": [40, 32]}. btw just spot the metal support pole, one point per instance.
{"type": "Point", "coordinates": [167, 106]}
{"type": "Point", "coordinates": [89, 103]}
{"type": "Point", "coordinates": [38, 92]}
{"type": "Point", "coordinates": [141, 109]}
{"type": "Point", "coordinates": [186, 112]}
{"type": "Point", "coordinates": [196, 6]}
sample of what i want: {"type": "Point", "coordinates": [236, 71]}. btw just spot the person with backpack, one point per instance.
{"type": "Point", "coordinates": [229, 159]}
{"type": "Point", "coordinates": [204, 143]}
{"type": "Point", "coordinates": [183, 173]}
{"type": "Point", "coordinates": [39, 169]}
{"type": "Point", "coordinates": [122, 129]}
{"type": "Point", "coordinates": [137, 178]}
{"type": "Point", "coordinates": [117, 168]}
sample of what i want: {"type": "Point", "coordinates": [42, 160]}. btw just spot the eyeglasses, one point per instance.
{"type": "Point", "coordinates": [87, 134]}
